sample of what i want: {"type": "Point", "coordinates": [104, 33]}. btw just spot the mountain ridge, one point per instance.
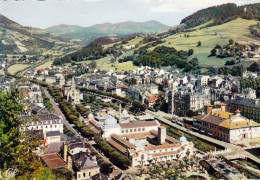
{"type": "Point", "coordinates": [109, 29]}
{"type": "Point", "coordinates": [16, 38]}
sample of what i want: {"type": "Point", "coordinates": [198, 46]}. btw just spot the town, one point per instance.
{"type": "Point", "coordinates": [132, 100]}
{"type": "Point", "coordinates": [105, 126]}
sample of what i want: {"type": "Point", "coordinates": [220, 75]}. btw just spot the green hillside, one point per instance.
{"type": "Point", "coordinates": [237, 30]}
{"type": "Point", "coordinates": [15, 38]}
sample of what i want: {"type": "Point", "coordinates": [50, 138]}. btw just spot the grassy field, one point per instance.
{"type": "Point", "coordinates": [17, 67]}
{"type": "Point", "coordinates": [237, 30]}
{"type": "Point", "coordinates": [135, 41]}
{"type": "Point", "coordinates": [45, 65]}
{"type": "Point", "coordinates": [126, 66]}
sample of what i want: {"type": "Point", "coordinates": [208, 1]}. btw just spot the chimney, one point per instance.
{"type": "Point", "coordinates": [222, 106]}
{"type": "Point", "coordinates": [69, 163]}
{"type": "Point", "coordinates": [161, 134]}
{"type": "Point", "coordinates": [65, 151]}
{"type": "Point", "coordinates": [208, 108]}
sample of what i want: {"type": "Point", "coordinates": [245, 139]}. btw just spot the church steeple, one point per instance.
{"type": "Point", "coordinates": [73, 84]}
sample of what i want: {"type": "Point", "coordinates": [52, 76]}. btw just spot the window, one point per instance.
{"type": "Point", "coordinates": [134, 130]}
{"type": "Point", "coordinates": [126, 131]}
{"type": "Point", "coordinates": [143, 129]}
{"type": "Point", "coordinates": [84, 174]}
{"type": "Point", "coordinates": [139, 129]}
{"type": "Point", "coordinates": [122, 131]}
{"type": "Point", "coordinates": [131, 130]}
{"type": "Point", "coordinates": [89, 174]}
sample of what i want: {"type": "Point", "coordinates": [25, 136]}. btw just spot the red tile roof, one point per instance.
{"type": "Point", "coordinates": [122, 86]}
{"type": "Point", "coordinates": [152, 98]}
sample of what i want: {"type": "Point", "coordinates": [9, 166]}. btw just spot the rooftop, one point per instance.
{"type": "Point", "coordinates": [139, 124]}
{"type": "Point", "coordinates": [53, 161]}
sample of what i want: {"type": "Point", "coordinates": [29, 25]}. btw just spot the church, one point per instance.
{"type": "Point", "coordinates": [72, 93]}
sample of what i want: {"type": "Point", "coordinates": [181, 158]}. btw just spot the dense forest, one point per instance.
{"type": "Point", "coordinates": [166, 56]}
{"type": "Point", "coordinates": [222, 14]}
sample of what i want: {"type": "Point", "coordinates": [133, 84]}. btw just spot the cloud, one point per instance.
{"type": "Point", "coordinates": [191, 5]}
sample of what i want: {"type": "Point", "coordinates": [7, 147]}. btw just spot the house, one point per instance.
{"type": "Point", "coordinates": [77, 155]}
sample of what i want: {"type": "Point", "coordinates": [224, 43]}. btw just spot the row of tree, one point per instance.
{"type": "Point", "coordinates": [115, 157]}
{"type": "Point", "coordinates": [73, 116]}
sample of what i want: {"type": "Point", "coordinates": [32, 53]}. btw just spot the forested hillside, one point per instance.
{"type": "Point", "coordinates": [222, 14]}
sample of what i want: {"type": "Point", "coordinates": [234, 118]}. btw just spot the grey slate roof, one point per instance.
{"type": "Point", "coordinates": [246, 102]}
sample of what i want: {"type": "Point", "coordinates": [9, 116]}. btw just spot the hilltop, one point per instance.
{"type": "Point", "coordinates": [63, 29]}
{"type": "Point", "coordinates": [16, 38]}
{"type": "Point", "coordinates": [222, 14]}
{"type": "Point", "coordinates": [107, 29]}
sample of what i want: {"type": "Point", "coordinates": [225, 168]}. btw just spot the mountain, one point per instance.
{"type": "Point", "coordinates": [15, 38]}
{"type": "Point", "coordinates": [63, 29]}
{"type": "Point", "coordinates": [107, 29]}
{"type": "Point", "coordinates": [222, 14]}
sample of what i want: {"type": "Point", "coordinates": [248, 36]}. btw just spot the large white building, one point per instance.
{"type": "Point", "coordinates": [44, 122]}
{"type": "Point", "coordinates": [144, 141]}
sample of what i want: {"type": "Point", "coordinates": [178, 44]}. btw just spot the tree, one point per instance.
{"type": "Point", "coordinates": [190, 52]}
{"type": "Point", "coordinates": [231, 41]}
{"type": "Point", "coordinates": [93, 64]}
{"type": "Point", "coordinates": [213, 52]}
{"type": "Point", "coordinates": [199, 44]}
{"type": "Point", "coordinates": [16, 150]}
{"type": "Point", "coordinates": [190, 113]}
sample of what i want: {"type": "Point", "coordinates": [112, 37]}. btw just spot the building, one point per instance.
{"type": "Point", "coordinates": [72, 93]}
{"type": "Point", "coordinates": [143, 92]}
{"type": "Point", "coordinates": [44, 122]}
{"type": "Point", "coordinates": [250, 108]}
{"type": "Point", "coordinates": [182, 101]}
{"type": "Point", "coordinates": [78, 156]}
{"type": "Point", "coordinates": [248, 93]}
{"type": "Point", "coordinates": [144, 141]}
{"type": "Point", "coordinates": [226, 126]}
{"type": "Point", "coordinates": [203, 81]}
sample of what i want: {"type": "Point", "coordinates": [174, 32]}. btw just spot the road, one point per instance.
{"type": "Point", "coordinates": [58, 112]}
{"type": "Point", "coordinates": [70, 127]}
{"type": "Point", "coordinates": [231, 148]}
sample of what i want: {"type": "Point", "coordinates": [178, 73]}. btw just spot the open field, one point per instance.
{"type": "Point", "coordinates": [17, 67]}
{"type": "Point", "coordinates": [45, 65]}
{"type": "Point", "coordinates": [237, 30]}
{"type": "Point", "coordinates": [125, 66]}
{"type": "Point", "coordinates": [135, 41]}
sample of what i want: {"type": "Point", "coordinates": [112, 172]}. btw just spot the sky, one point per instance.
{"type": "Point", "coordinates": [46, 13]}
